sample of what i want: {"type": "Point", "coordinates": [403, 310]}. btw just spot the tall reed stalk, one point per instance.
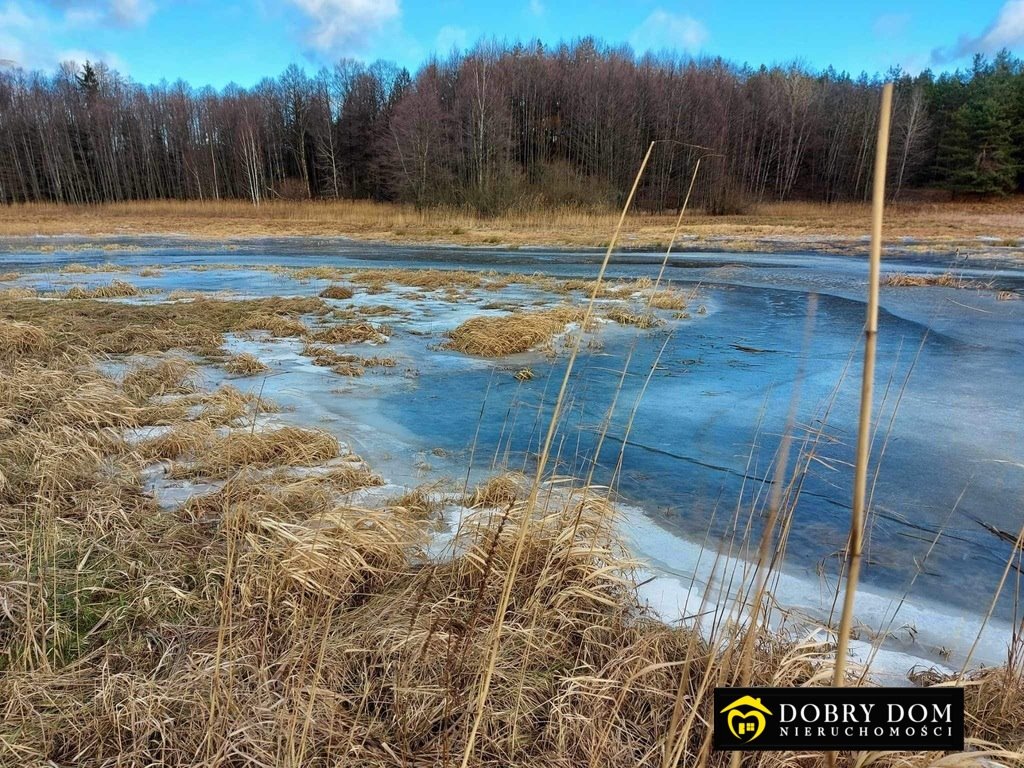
{"type": "Point", "coordinates": [860, 474]}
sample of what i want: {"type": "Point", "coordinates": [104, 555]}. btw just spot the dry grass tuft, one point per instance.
{"type": "Point", "coordinates": [336, 292]}
{"type": "Point", "coordinates": [278, 326]}
{"type": "Point", "coordinates": [245, 364]}
{"type": "Point", "coordinates": [23, 340]}
{"type": "Point", "coordinates": [115, 289]}
{"type": "Point", "coordinates": [500, 491]}
{"type": "Point", "coordinates": [945, 280]}
{"type": "Point", "coordinates": [513, 333]}
{"type": "Point", "coordinates": [667, 300]}
{"type": "Point", "coordinates": [420, 503]}
{"type": "Point", "coordinates": [173, 375]}
{"type": "Point", "coordinates": [223, 455]}
{"type": "Point", "coordinates": [524, 374]}
{"type": "Point", "coordinates": [354, 333]}
{"type": "Point", "coordinates": [642, 320]}
{"type": "Point", "coordinates": [76, 268]}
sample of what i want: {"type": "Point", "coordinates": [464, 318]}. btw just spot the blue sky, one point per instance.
{"type": "Point", "coordinates": [220, 41]}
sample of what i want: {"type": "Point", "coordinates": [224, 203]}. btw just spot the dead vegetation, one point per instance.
{"type": "Point", "coordinates": [354, 333]}
{"type": "Point", "coordinates": [245, 364]}
{"type": "Point", "coordinates": [337, 292]}
{"type": "Point", "coordinates": [198, 325]}
{"type": "Point", "coordinates": [642, 320]}
{"type": "Point", "coordinates": [115, 289]}
{"type": "Point", "coordinates": [944, 280]}
{"type": "Point", "coordinates": [220, 456]}
{"type": "Point", "coordinates": [500, 491]}
{"type": "Point", "coordinates": [513, 333]}
{"type": "Point", "coordinates": [767, 226]}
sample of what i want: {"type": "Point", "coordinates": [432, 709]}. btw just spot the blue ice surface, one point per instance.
{"type": "Point", "coordinates": [947, 453]}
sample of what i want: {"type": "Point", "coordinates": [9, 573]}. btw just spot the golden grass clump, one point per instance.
{"type": "Point", "coordinates": [513, 333]}
{"type": "Point", "coordinates": [667, 300]}
{"type": "Point", "coordinates": [354, 333]}
{"type": "Point", "coordinates": [18, 292]}
{"type": "Point", "coordinates": [336, 292]}
{"type": "Point", "coordinates": [418, 503]}
{"type": "Point", "coordinates": [223, 455]}
{"type": "Point", "coordinates": [22, 340]}
{"type": "Point", "coordinates": [426, 279]}
{"type": "Point", "coordinates": [115, 289]}
{"type": "Point", "coordinates": [245, 364]}
{"type": "Point", "coordinates": [172, 375]}
{"type": "Point", "coordinates": [944, 280]}
{"type": "Point", "coordinates": [278, 326]}
{"type": "Point", "coordinates": [642, 320]}
{"type": "Point", "coordinates": [77, 268]}
{"type": "Point", "coordinates": [499, 491]}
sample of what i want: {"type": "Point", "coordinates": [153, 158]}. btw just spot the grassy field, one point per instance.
{"type": "Point", "coordinates": [947, 225]}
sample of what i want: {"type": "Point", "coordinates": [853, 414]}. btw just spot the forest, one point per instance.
{"type": "Point", "coordinates": [506, 127]}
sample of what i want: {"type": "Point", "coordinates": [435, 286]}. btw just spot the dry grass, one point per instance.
{"type": "Point", "coordinates": [115, 289]}
{"type": "Point", "coordinates": [173, 375]}
{"type": "Point", "coordinates": [947, 224]}
{"type": "Point", "coordinates": [666, 300]}
{"type": "Point", "coordinates": [221, 456]}
{"type": "Point", "coordinates": [200, 325]}
{"type": "Point", "coordinates": [513, 333]}
{"type": "Point", "coordinates": [76, 268]}
{"type": "Point", "coordinates": [500, 491]}
{"type": "Point", "coordinates": [336, 292]}
{"type": "Point", "coordinates": [245, 364]}
{"type": "Point", "coordinates": [354, 333]}
{"type": "Point", "coordinates": [642, 320]}
{"type": "Point", "coordinates": [945, 280]}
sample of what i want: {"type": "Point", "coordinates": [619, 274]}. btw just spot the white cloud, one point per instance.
{"type": "Point", "coordinates": [116, 13]}
{"type": "Point", "coordinates": [449, 37]}
{"type": "Point", "coordinates": [537, 8]}
{"type": "Point", "coordinates": [19, 33]}
{"type": "Point", "coordinates": [663, 30]}
{"type": "Point", "coordinates": [337, 25]}
{"type": "Point", "coordinates": [132, 13]}
{"type": "Point", "coordinates": [1007, 31]}
{"type": "Point", "coordinates": [26, 40]}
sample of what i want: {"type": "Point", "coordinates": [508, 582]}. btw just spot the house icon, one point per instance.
{"type": "Point", "coordinates": [746, 717]}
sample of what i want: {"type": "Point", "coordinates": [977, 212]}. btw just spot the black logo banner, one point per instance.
{"type": "Point", "coordinates": [917, 719]}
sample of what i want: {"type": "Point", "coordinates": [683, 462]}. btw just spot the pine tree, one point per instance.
{"type": "Point", "coordinates": [88, 80]}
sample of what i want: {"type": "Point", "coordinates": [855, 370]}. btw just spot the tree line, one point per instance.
{"type": "Point", "coordinates": [506, 126]}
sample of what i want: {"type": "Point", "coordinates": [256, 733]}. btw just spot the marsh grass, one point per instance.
{"type": "Point", "coordinates": [245, 364]}
{"type": "Point", "coordinates": [513, 333]}
{"type": "Point", "coordinates": [115, 289]}
{"type": "Point", "coordinates": [642, 320]}
{"type": "Point", "coordinates": [219, 456]}
{"type": "Point", "coordinates": [354, 333]}
{"type": "Point", "coordinates": [944, 280]}
{"type": "Point", "coordinates": [337, 292]}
